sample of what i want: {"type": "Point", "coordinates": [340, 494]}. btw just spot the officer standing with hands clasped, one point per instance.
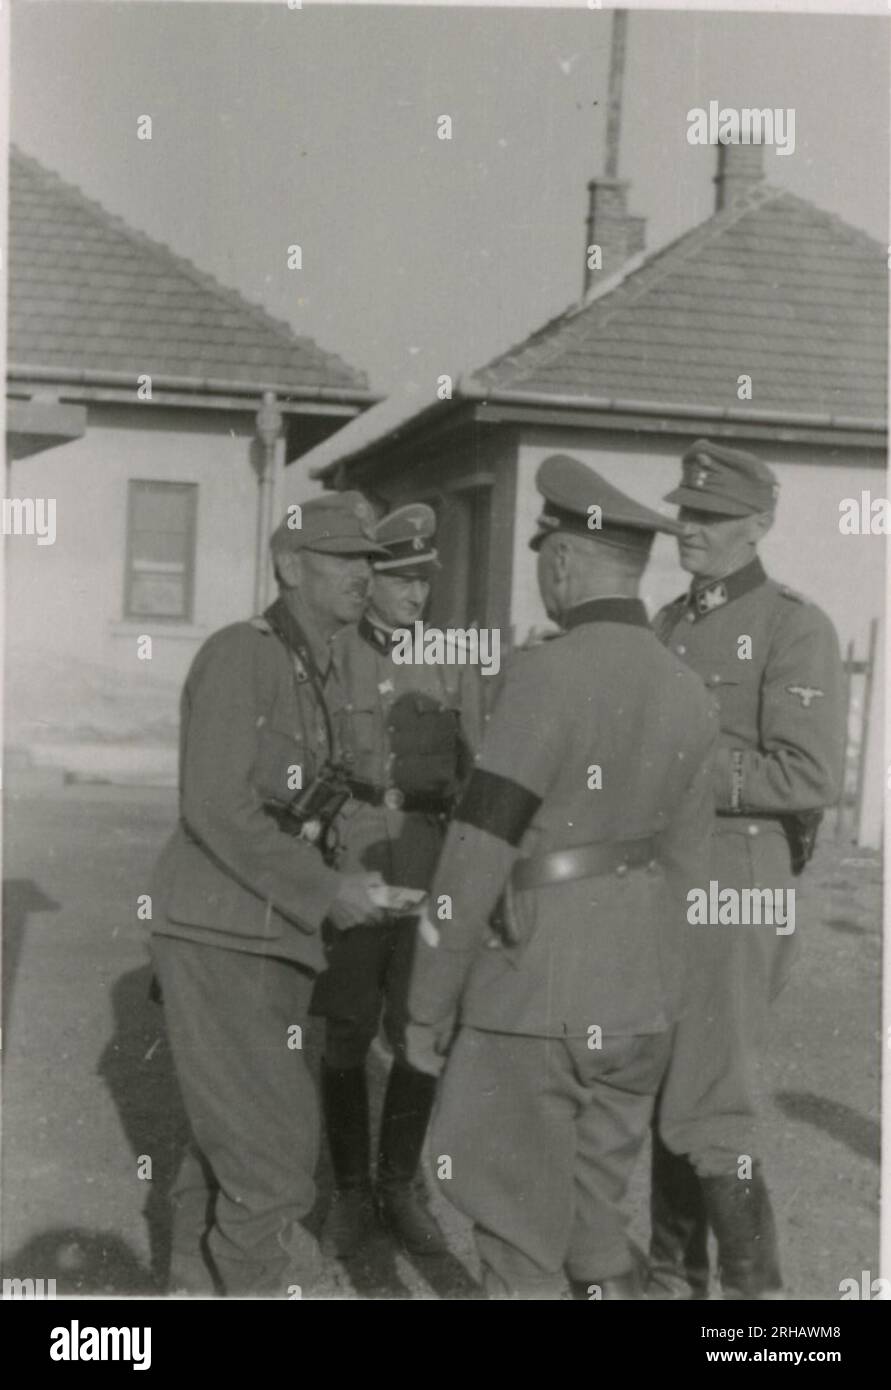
{"type": "Point", "coordinates": [586, 814]}
{"type": "Point", "coordinates": [408, 734]}
{"type": "Point", "coordinates": [242, 891]}
{"type": "Point", "coordinates": [771, 661]}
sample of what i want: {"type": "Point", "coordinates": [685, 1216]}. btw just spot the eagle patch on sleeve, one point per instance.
{"type": "Point", "coordinates": [806, 693]}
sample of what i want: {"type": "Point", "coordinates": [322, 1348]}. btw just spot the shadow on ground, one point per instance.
{"type": "Point", "coordinates": [858, 1132]}
{"type": "Point", "coordinates": [81, 1262]}
{"type": "Point", "coordinates": [137, 1067]}
{"type": "Point", "coordinates": [21, 897]}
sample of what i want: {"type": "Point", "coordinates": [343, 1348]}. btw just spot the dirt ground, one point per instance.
{"type": "Point", "coordinates": [88, 1083]}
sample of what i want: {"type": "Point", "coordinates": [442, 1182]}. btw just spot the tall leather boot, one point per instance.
{"type": "Point", "coordinates": [740, 1212]}
{"type": "Point", "coordinates": [345, 1107]}
{"type": "Point", "coordinates": [402, 1200]}
{"type": "Point", "coordinates": [679, 1238]}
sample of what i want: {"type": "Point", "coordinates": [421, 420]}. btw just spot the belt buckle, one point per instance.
{"type": "Point", "coordinates": [394, 799]}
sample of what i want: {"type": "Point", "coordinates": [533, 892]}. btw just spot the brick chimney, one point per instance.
{"type": "Point", "coordinates": [740, 169]}
{"type": "Point", "coordinates": [611, 227]}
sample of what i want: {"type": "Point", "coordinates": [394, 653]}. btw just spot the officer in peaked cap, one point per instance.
{"type": "Point", "coordinates": [726, 482]}
{"type": "Point", "coordinates": [770, 660]}
{"type": "Point", "coordinates": [585, 818]}
{"type": "Point", "coordinates": [334, 523]}
{"type": "Point", "coordinates": [407, 535]}
{"type": "Point", "coordinates": [408, 733]}
{"type": "Point", "coordinates": [239, 903]}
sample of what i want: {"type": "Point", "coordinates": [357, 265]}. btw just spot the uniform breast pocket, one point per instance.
{"type": "Point", "coordinates": [283, 764]}
{"type": "Point", "coordinates": [360, 727]}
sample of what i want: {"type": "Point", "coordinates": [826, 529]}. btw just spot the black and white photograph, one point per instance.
{"type": "Point", "coordinates": [445, 774]}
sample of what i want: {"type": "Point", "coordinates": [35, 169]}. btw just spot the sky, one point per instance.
{"type": "Point", "coordinates": [317, 126]}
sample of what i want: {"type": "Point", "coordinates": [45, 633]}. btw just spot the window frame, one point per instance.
{"type": "Point", "coordinates": [187, 617]}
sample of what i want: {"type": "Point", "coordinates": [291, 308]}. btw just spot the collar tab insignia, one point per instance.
{"type": "Point", "coordinates": [711, 597]}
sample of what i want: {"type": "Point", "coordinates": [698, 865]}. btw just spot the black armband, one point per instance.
{"type": "Point", "coordinates": [497, 805]}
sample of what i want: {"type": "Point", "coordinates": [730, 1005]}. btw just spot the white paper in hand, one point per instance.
{"type": "Point", "coordinates": [400, 901]}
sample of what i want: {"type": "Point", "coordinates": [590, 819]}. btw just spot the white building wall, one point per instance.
{"type": "Point", "coordinates": [844, 574]}
{"type": "Point", "coordinates": [72, 661]}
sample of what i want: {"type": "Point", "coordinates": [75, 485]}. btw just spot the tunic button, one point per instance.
{"type": "Point", "coordinates": [691, 617]}
{"type": "Point", "coordinates": [681, 650]}
{"type": "Point", "coordinates": [752, 829]}
{"type": "Point", "coordinates": [621, 870]}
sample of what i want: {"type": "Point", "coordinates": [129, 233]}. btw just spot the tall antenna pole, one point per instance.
{"type": "Point", "coordinates": [614, 106]}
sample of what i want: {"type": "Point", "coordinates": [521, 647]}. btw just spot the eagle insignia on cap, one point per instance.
{"type": "Point", "coordinates": [417, 543]}
{"type": "Point", "coordinates": [701, 477]}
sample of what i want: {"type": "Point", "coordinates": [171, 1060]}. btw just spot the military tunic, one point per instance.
{"type": "Point", "coordinates": [408, 735]}
{"type": "Point", "coordinates": [599, 738]}
{"type": "Point", "coordinates": [770, 661]}
{"type": "Point", "coordinates": [238, 907]}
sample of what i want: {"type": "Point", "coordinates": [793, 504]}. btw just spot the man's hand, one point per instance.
{"type": "Point", "coordinates": [425, 1046]}
{"type": "Point", "coordinates": [353, 906]}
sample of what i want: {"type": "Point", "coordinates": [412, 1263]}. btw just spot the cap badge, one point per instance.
{"type": "Point", "coordinates": [701, 478]}
{"type": "Point", "coordinates": [417, 543]}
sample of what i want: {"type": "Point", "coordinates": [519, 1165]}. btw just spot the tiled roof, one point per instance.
{"type": "Point", "coordinates": [87, 293]}
{"type": "Point", "coordinates": [772, 287]}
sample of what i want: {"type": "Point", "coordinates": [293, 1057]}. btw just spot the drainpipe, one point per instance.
{"type": "Point", "coordinates": [269, 427]}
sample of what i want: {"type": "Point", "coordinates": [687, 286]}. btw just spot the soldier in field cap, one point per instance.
{"type": "Point", "coordinates": [242, 891]}
{"type": "Point", "coordinates": [770, 660]}
{"type": "Point", "coordinates": [408, 734]}
{"type": "Point", "coordinates": [585, 817]}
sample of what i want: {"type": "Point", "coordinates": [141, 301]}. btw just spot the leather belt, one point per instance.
{"type": "Point", "coordinates": [397, 800]}
{"type": "Point", "coordinates": [584, 861]}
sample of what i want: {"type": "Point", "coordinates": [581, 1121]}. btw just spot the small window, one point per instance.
{"type": "Point", "coordinates": [160, 550]}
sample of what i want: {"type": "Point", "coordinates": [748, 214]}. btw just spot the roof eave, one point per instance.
{"type": "Point", "coordinates": [688, 416]}
{"type": "Point", "coordinates": [615, 405]}
{"type": "Point", "coordinates": [359, 397]}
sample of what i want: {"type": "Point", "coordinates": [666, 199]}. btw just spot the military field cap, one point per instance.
{"type": "Point", "coordinates": [336, 523]}
{"type": "Point", "coordinates": [407, 536]}
{"type": "Point", "coordinates": [571, 492]}
{"type": "Point", "coordinates": [729, 481]}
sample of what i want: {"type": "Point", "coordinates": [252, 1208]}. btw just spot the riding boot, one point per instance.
{"type": "Point", "coordinates": [345, 1107]}
{"type": "Point", "coordinates": [679, 1238]}
{"type": "Point", "coordinates": [740, 1212]}
{"type": "Point", "coordinates": [402, 1200]}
